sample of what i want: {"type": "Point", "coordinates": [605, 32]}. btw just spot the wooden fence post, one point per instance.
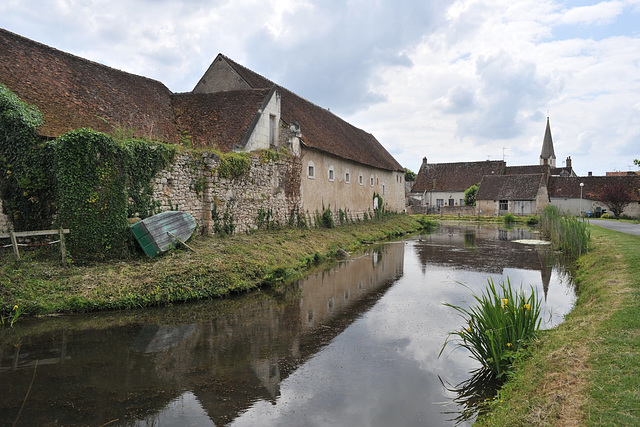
{"type": "Point", "coordinates": [63, 249]}
{"type": "Point", "coordinates": [14, 244]}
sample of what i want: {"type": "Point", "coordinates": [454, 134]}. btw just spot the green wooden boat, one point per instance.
{"type": "Point", "coordinates": [161, 232]}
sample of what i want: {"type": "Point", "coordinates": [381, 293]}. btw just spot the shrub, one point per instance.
{"type": "Point", "coordinates": [532, 220]}
{"type": "Point", "coordinates": [509, 218]}
{"type": "Point", "coordinates": [605, 216]}
{"type": "Point", "coordinates": [498, 327]}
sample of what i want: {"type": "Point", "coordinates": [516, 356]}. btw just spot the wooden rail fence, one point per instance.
{"type": "Point", "coordinates": [13, 235]}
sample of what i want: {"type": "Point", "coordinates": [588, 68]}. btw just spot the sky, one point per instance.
{"type": "Point", "coordinates": [452, 81]}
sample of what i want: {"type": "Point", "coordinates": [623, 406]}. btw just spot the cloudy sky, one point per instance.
{"type": "Point", "coordinates": [452, 81]}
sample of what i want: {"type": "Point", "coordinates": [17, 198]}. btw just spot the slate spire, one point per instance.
{"type": "Point", "coordinates": [548, 155]}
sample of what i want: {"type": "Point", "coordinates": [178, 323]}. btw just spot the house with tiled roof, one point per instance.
{"type": "Point", "coordinates": [519, 194]}
{"type": "Point", "coordinates": [577, 195]}
{"type": "Point", "coordinates": [230, 109]}
{"type": "Point", "coordinates": [440, 186]}
{"type": "Point", "coordinates": [342, 166]}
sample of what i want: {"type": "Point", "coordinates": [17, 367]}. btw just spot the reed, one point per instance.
{"type": "Point", "coordinates": [499, 327]}
{"type": "Point", "coordinates": [568, 234]}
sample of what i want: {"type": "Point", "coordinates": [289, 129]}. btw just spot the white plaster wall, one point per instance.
{"type": "Point", "coordinates": [351, 196]}
{"type": "Point", "coordinates": [573, 206]}
{"type": "Point", "coordinates": [259, 139]}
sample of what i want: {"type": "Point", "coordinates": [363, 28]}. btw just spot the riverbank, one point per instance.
{"type": "Point", "coordinates": [217, 267]}
{"type": "Point", "coordinates": [585, 371]}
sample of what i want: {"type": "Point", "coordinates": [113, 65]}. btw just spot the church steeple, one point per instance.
{"type": "Point", "coordinates": [547, 155]}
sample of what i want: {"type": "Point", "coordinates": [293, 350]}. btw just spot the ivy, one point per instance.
{"type": "Point", "coordinates": [144, 161]}
{"type": "Point", "coordinates": [26, 176]}
{"type": "Point", "coordinates": [92, 193]}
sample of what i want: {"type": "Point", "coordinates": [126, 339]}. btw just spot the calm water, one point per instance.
{"type": "Point", "coordinates": [355, 344]}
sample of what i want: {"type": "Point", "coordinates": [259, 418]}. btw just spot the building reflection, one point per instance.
{"type": "Point", "coordinates": [486, 249]}
{"type": "Point", "coordinates": [118, 368]}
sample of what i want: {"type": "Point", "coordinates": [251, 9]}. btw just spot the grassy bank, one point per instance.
{"type": "Point", "coordinates": [217, 267]}
{"type": "Point", "coordinates": [585, 371]}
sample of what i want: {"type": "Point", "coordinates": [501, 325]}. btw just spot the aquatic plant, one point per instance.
{"type": "Point", "coordinates": [509, 218]}
{"type": "Point", "coordinates": [499, 327]}
{"type": "Point", "coordinates": [566, 233]}
{"type": "Point", "coordinates": [12, 317]}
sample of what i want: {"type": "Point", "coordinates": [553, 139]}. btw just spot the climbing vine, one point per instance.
{"type": "Point", "coordinates": [233, 165]}
{"type": "Point", "coordinates": [92, 197]}
{"type": "Point", "coordinates": [144, 161]}
{"type": "Point", "coordinates": [26, 175]}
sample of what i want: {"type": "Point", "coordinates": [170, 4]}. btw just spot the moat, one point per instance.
{"type": "Point", "coordinates": [354, 344]}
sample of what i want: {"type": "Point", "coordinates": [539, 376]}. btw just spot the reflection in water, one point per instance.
{"type": "Point", "coordinates": [470, 395]}
{"type": "Point", "coordinates": [354, 344]}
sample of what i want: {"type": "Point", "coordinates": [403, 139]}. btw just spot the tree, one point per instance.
{"type": "Point", "coordinates": [616, 196]}
{"type": "Point", "coordinates": [409, 175]}
{"type": "Point", "coordinates": [470, 195]}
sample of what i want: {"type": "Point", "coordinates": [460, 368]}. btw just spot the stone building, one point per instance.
{"type": "Point", "coordinates": [330, 163]}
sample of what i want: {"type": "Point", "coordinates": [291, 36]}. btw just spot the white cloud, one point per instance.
{"type": "Point", "coordinates": [453, 81]}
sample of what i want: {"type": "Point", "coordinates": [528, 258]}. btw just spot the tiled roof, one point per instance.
{"type": "Point", "coordinates": [321, 129]}
{"type": "Point", "coordinates": [219, 120]}
{"type": "Point", "coordinates": [569, 187]}
{"type": "Point", "coordinates": [454, 176]}
{"type": "Point", "coordinates": [510, 187]}
{"type": "Point", "coordinates": [73, 92]}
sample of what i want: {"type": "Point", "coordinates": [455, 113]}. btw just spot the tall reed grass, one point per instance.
{"type": "Point", "coordinates": [498, 327]}
{"type": "Point", "coordinates": [568, 234]}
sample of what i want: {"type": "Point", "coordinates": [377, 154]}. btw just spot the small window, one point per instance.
{"type": "Point", "coordinates": [360, 179]}
{"type": "Point", "coordinates": [331, 174]}
{"type": "Point", "coordinates": [439, 203]}
{"type": "Point", "coordinates": [347, 177]}
{"type": "Point", "coordinates": [272, 130]}
{"type": "Point", "coordinates": [371, 181]}
{"type": "Point", "coordinates": [383, 188]}
{"type": "Point", "coordinates": [311, 171]}
{"type": "Point", "coordinates": [504, 205]}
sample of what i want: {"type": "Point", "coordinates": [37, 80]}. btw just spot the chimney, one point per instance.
{"type": "Point", "coordinates": [590, 173]}
{"type": "Point", "coordinates": [424, 160]}
{"type": "Point", "coordinates": [569, 162]}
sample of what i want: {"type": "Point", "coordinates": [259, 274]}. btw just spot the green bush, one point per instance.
{"type": "Point", "coordinates": [499, 327]}
{"type": "Point", "coordinates": [532, 220]}
{"type": "Point", "coordinates": [509, 218]}
{"type": "Point", "coordinates": [605, 216]}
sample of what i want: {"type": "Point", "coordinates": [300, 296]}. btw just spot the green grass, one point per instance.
{"type": "Point", "coordinates": [585, 371]}
{"type": "Point", "coordinates": [218, 267]}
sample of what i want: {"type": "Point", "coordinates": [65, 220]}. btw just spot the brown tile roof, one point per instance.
{"type": "Point", "coordinates": [510, 187]}
{"type": "Point", "coordinates": [219, 120]}
{"type": "Point", "coordinates": [73, 92]}
{"type": "Point", "coordinates": [569, 187]}
{"type": "Point", "coordinates": [321, 129]}
{"type": "Point", "coordinates": [454, 176]}
{"type": "Point", "coordinates": [527, 170]}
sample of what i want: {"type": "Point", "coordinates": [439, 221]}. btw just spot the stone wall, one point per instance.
{"type": "Point", "coordinates": [4, 221]}
{"type": "Point", "coordinates": [192, 184]}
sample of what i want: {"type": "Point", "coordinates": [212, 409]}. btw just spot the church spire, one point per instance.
{"type": "Point", "coordinates": [547, 155]}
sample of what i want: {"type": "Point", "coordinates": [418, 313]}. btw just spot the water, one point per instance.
{"type": "Point", "coordinates": [356, 344]}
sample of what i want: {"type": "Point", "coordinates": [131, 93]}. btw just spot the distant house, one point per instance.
{"type": "Point", "coordinates": [519, 194]}
{"type": "Point", "coordinates": [230, 109]}
{"type": "Point", "coordinates": [571, 197]}
{"type": "Point", "coordinates": [441, 186]}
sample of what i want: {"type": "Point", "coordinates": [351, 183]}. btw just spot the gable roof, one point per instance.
{"type": "Point", "coordinates": [569, 187]}
{"type": "Point", "coordinates": [510, 187]}
{"type": "Point", "coordinates": [321, 129]}
{"type": "Point", "coordinates": [454, 176]}
{"type": "Point", "coordinates": [221, 120]}
{"type": "Point", "coordinates": [72, 92]}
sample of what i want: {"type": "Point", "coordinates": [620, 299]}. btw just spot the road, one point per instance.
{"type": "Point", "coordinates": [624, 227]}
